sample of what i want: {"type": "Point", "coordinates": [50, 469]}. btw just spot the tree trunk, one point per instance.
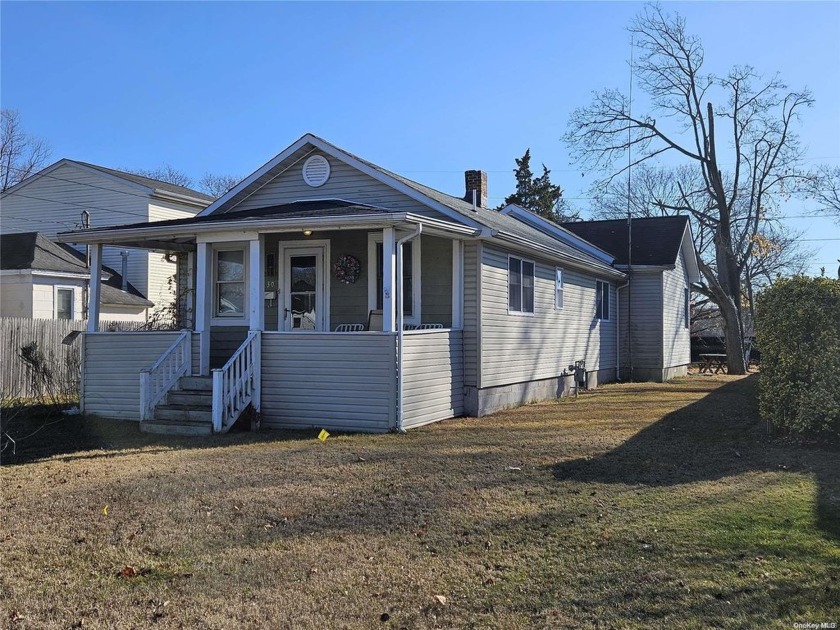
{"type": "Point", "coordinates": [734, 338]}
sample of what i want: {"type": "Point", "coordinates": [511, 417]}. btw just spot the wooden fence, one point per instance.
{"type": "Point", "coordinates": [63, 361]}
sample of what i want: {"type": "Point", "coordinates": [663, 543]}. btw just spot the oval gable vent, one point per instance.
{"type": "Point", "coordinates": [316, 171]}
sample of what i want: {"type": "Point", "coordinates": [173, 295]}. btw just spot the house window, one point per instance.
{"type": "Point", "coordinates": [411, 278]}
{"type": "Point", "coordinates": [602, 297]}
{"type": "Point", "coordinates": [64, 303]}
{"type": "Point", "coordinates": [230, 283]}
{"type": "Point", "coordinates": [558, 288]}
{"type": "Point", "coordinates": [520, 285]}
{"type": "Point", "coordinates": [686, 308]}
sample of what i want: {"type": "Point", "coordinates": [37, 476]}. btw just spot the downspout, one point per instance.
{"type": "Point", "coordinates": [618, 328]}
{"type": "Point", "coordinates": [400, 318]}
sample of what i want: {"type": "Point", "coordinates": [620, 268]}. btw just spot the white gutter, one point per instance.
{"type": "Point", "coordinates": [570, 260]}
{"type": "Point", "coordinates": [230, 224]}
{"type": "Point", "coordinates": [400, 322]}
{"type": "Point", "coordinates": [618, 329]}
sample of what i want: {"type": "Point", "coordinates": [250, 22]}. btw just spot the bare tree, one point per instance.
{"type": "Point", "coordinates": [217, 185]}
{"type": "Point", "coordinates": [21, 154]}
{"type": "Point", "coordinates": [824, 188]}
{"type": "Point", "coordinates": [774, 250]}
{"type": "Point", "coordinates": [735, 132]}
{"type": "Point", "coordinates": [166, 173]}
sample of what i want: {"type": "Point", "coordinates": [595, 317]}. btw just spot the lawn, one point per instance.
{"type": "Point", "coordinates": [636, 506]}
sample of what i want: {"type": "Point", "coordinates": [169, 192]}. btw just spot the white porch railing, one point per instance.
{"type": "Point", "coordinates": [237, 384]}
{"type": "Point", "coordinates": [157, 380]}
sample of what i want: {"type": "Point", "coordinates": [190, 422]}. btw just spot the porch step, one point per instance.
{"type": "Point", "coordinates": [184, 414]}
{"type": "Point", "coordinates": [197, 399]}
{"type": "Point", "coordinates": [176, 427]}
{"type": "Point", "coordinates": [196, 383]}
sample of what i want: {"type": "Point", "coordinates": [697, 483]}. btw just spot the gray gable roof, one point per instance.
{"type": "Point", "coordinates": [34, 251]}
{"type": "Point", "coordinates": [155, 184]}
{"type": "Point", "coordinates": [656, 240]}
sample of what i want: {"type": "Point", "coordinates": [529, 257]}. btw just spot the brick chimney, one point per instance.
{"type": "Point", "coordinates": [476, 181]}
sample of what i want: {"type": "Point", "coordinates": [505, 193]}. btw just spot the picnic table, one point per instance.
{"type": "Point", "coordinates": [716, 362]}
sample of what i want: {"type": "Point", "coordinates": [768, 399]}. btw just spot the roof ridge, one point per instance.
{"type": "Point", "coordinates": [134, 176]}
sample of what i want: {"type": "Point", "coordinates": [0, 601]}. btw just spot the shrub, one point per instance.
{"type": "Point", "coordinates": [798, 328]}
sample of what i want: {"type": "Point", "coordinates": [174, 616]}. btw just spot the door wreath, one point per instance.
{"type": "Point", "coordinates": [347, 269]}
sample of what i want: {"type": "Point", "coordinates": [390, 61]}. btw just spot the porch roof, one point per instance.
{"type": "Point", "coordinates": [179, 234]}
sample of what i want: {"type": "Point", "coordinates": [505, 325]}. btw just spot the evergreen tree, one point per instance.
{"type": "Point", "coordinates": [538, 194]}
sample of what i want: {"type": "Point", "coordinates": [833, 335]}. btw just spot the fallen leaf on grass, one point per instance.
{"type": "Point", "coordinates": [440, 599]}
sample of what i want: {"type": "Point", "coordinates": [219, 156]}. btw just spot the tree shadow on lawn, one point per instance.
{"type": "Point", "coordinates": [40, 435]}
{"type": "Point", "coordinates": [718, 436]}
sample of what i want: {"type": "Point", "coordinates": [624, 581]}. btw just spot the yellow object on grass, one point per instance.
{"type": "Point", "coordinates": [323, 435]}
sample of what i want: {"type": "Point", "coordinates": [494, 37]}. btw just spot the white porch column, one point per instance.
{"type": "Point", "coordinates": [457, 284]}
{"type": "Point", "coordinates": [95, 291]}
{"type": "Point", "coordinates": [389, 280]}
{"type": "Point", "coordinates": [255, 285]}
{"type": "Point", "coordinates": [203, 296]}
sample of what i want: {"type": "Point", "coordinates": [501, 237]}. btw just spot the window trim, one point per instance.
{"type": "Point", "coordinates": [521, 260]}
{"type": "Point", "coordinates": [56, 289]}
{"type": "Point", "coordinates": [686, 308]}
{"type": "Point", "coordinates": [216, 317]}
{"type": "Point", "coordinates": [598, 291]}
{"type": "Point", "coordinates": [559, 288]}
{"type": "Point", "coordinates": [373, 239]}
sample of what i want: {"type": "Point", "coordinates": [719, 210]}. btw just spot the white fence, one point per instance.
{"type": "Point", "coordinates": [63, 360]}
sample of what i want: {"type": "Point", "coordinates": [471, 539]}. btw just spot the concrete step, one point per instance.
{"type": "Point", "coordinates": [196, 383]}
{"type": "Point", "coordinates": [168, 427]}
{"type": "Point", "coordinates": [183, 414]}
{"type": "Point", "coordinates": [190, 398]}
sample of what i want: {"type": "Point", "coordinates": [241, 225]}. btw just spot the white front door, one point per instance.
{"type": "Point", "coordinates": [303, 288]}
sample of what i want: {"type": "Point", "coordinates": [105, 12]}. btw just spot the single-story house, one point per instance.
{"type": "Point", "coordinates": [656, 306]}
{"type": "Point", "coordinates": [40, 279]}
{"type": "Point", "coordinates": [330, 292]}
{"type": "Point", "coordinates": [70, 194]}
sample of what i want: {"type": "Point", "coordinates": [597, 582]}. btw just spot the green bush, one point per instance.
{"type": "Point", "coordinates": [798, 329]}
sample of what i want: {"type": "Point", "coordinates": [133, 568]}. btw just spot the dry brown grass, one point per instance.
{"type": "Point", "coordinates": [636, 506]}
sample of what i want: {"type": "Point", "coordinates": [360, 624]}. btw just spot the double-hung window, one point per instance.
{"type": "Point", "coordinates": [64, 303]}
{"type": "Point", "coordinates": [558, 288]}
{"type": "Point", "coordinates": [230, 283]}
{"type": "Point", "coordinates": [602, 300]}
{"type": "Point", "coordinates": [520, 285]}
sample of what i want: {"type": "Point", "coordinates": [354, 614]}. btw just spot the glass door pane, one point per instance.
{"type": "Point", "coordinates": [303, 292]}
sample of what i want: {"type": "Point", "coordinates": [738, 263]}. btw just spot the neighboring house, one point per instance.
{"type": "Point", "coordinates": [463, 309]}
{"type": "Point", "coordinates": [53, 200]}
{"type": "Point", "coordinates": [662, 267]}
{"type": "Point", "coordinates": [40, 279]}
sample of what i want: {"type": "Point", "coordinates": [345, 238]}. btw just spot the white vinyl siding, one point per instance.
{"type": "Point", "coordinates": [433, 369]}
{"type": "Point", "coordinates": [54, 202]}
{"type": "Point", "coordinates": [345, 183]}
{"type": "Point", "coordinates": [676, 338]}
{"type": "Point", "coordinates": [112, 364]}
{"type": "Point", "coordinates": [472, 281]}
{"type": "Point", "coordinates": [521, 349]}
{"type": "Point", "coordinates": [342, 381]}
{"type": "Point", "coordinates": [645, 320]}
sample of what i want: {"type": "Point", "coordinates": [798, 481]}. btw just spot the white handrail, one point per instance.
{"type": "Point", "coordinates": [237, 384]}
{"type": "Point", "coordinates": [157, 380]}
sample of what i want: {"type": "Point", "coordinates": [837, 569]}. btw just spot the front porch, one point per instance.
{"type": "Point", "coordinates": [372, 344]}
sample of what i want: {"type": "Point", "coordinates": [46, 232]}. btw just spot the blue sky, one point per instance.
{"type": "Point", "coordinates": [425, 89]}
